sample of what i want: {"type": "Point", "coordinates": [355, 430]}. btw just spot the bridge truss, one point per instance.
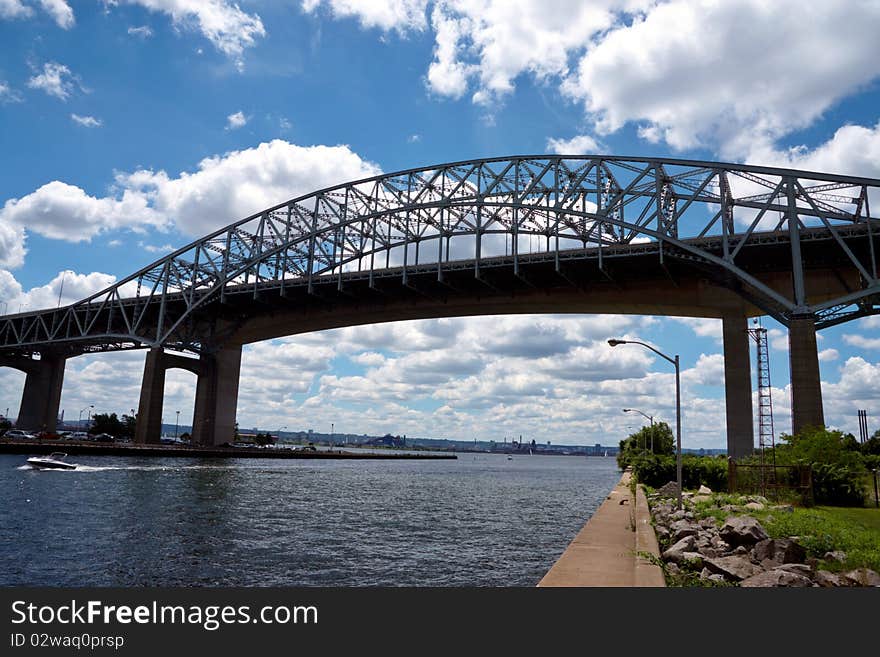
{"type": "Point", "coordinates": [482, 214]}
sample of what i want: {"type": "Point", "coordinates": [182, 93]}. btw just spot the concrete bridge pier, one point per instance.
{"type": "Point", "coordinates": [149, 421]}
{"type": "Point", "coordinates": [41, 398]}
{"type": "Point", "coordinates": [738, 386]}
{"type": "Point", "coordinates": [149, 417]}
{"type": "Point", "coordinates": [217, 396]}
{"type": "Point", "coordinates": [806, 384]}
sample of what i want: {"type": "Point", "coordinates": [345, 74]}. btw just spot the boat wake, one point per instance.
{"type": "Point", "coordinates": [142, 468]}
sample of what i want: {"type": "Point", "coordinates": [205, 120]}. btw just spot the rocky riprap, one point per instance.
{"type": "Point", "coordinates": [738, 552]}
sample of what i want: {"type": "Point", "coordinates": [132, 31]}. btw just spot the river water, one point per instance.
{"type": "Point", "coordinates": [480, 520]}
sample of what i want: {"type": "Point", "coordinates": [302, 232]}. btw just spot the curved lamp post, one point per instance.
{"type": "Point", "coordinates": [675, 361]}
{"type": "Point", "coordinates": [650, 417]}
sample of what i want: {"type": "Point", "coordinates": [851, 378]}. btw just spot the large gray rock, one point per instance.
{"type": "Point", "coordinates": [829, 579]}
{"type": "Point", "coordinates": [863, 577]}
{"type": "Point", "coordinates": [708, 576]}
{"type": "Point", "coordinates": [675, 552]}
{"type": "Point", "coordinates": [732, 567]}
{"type": "Point", "coordinates": [780, 550]}
{"type": "Point", "coordinates": [720, 544]}
{"type": "Point", "coordinates": [797, 568]}
{"type": "Point", "coordinates": [669, 489]}
{"type": "Point", "coordinates": [692, 560]}
{"type": "Point", "coordinates": [742, 530]}
{"type": "Point", "coordinates": [775, 577]}
{"type": "Point", "coordinates": [681, 528]}
{"type": "Point", "coordinates": [837, 555]}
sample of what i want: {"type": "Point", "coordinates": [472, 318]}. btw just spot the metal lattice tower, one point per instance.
{"type": "Point", "coordinates": [766, 438]}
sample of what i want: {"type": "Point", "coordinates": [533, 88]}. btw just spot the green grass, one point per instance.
{"type": "Point", "coordinates": [819, 529]}
{"type": "Point", "coordinates": [824, 528]}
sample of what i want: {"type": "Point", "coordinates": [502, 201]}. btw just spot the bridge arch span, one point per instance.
{"type": "Point", "coordinates": [593, 233]}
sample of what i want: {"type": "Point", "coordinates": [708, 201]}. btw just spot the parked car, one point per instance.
{"type": "Point", "coordinates": [18, 434]}
{"type": "Point", "coordinates": [103, 437]}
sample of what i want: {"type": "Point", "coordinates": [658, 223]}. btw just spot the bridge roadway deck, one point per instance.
{"type": "Point", "coordinates": [605, 551]}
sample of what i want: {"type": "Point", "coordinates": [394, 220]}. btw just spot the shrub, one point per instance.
{"type": "Point", "coordinates": [838, 485]}
{"type": "Point", "coordinates": [708, 471]}
{"type": "Point", "coordinates": [838, 466]}
{"type": "Point", "coordinates": [656, 470]}
{"type": "Point", "coordinates": [653, 469]}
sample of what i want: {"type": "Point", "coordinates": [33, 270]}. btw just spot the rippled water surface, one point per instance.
{"type": "Point", "coordinates": [480, 520]}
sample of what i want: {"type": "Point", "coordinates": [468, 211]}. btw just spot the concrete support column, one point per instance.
{"type": "Point", "coordinates": [42, 394]}
{"type": "Point", "coordinates": [806, 384]}
{"type": "Point", "coordinates": [738, 386]}
{"type": "Point", "coordinates": [149, 419]}
{"type": "Point", "coordinates": [217, 396]}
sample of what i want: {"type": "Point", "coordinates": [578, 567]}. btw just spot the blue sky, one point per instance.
{"type": "Point", "coordinates": [131, 127]}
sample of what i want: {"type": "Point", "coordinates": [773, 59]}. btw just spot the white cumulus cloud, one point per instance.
{"type": "Point", "coordinates": [401, 15]}
{"type": "Point", "coordinates": [7, 94]}
{"type": "Point", "coordinates": [87, 121]}
{"type": "Point", "coordinates": [10, 9]}
{"type": "Point", "coordinates": [724, 73]}
{"type": "Point", "coordinates": [69, 286]}
{"type": "Point", "coordinates": [55, 80]}
{"type": "Point", "coordinates": [12, 249]}
{"type": "Point", "coordinates": [224, 24]}
{"type": "Point", "coordinates": [687, 73]}
{"type": "Point", "coordinates": [222, 189]}
{"type": "Point", "coordinates": [141, 32]}
{"type": "Point", "coordinates": [235, 121]}
{"type": "Point", "coordinates": [861, 341]}
{"type": "Point", "coordinates": [60, 11]}
{"type": "Point", "coordinates": [577, 145]}
{"type": "Point", "coordinates": [65, 212]}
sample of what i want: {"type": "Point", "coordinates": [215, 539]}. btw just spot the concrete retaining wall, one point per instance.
{"type": "Point", "coordinates": [605, 551]}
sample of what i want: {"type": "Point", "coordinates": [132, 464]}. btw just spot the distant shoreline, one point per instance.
{"type": "Point", "coordinates": [128, 449]}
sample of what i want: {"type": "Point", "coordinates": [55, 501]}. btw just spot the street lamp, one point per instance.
{"type": "Point", "coordinates": [650, 417]}
{"type": "Point", "coordinates": [87, 408]}
{"type": "Point", "coordinates": [675, 361]}
{"type": "Point", "coordinates": [176, 424]}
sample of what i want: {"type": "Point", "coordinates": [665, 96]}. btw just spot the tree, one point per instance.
{"type": "Point", "coordinates": [819, 445]}
{"type": "Point", "coordinates": [837, 469]}
{"type": "Point", "coordinates": [129, 425]}
{"type": "Point", "coordinates": [640, 442]}
{"type": "Point", "coordinates": [872, 445]}
{"type": "Point", "coordinates": [106, 423]}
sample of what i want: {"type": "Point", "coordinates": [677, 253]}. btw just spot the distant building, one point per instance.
{"type": "Point", "coordinates": [387, 441]}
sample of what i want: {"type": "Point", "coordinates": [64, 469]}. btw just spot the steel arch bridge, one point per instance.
{"type": "Point", "coordinates": [790, 244]}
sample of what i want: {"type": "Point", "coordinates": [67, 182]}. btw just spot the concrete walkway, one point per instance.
{"type": "Point", "coordinates": [604, 551]}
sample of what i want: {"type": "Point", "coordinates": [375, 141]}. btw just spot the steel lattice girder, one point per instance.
{"type": "Point", "coordinates": [422, 217]}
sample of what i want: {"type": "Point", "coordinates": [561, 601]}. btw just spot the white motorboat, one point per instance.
{"type": "Point", "coordinates": [55, 461]}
